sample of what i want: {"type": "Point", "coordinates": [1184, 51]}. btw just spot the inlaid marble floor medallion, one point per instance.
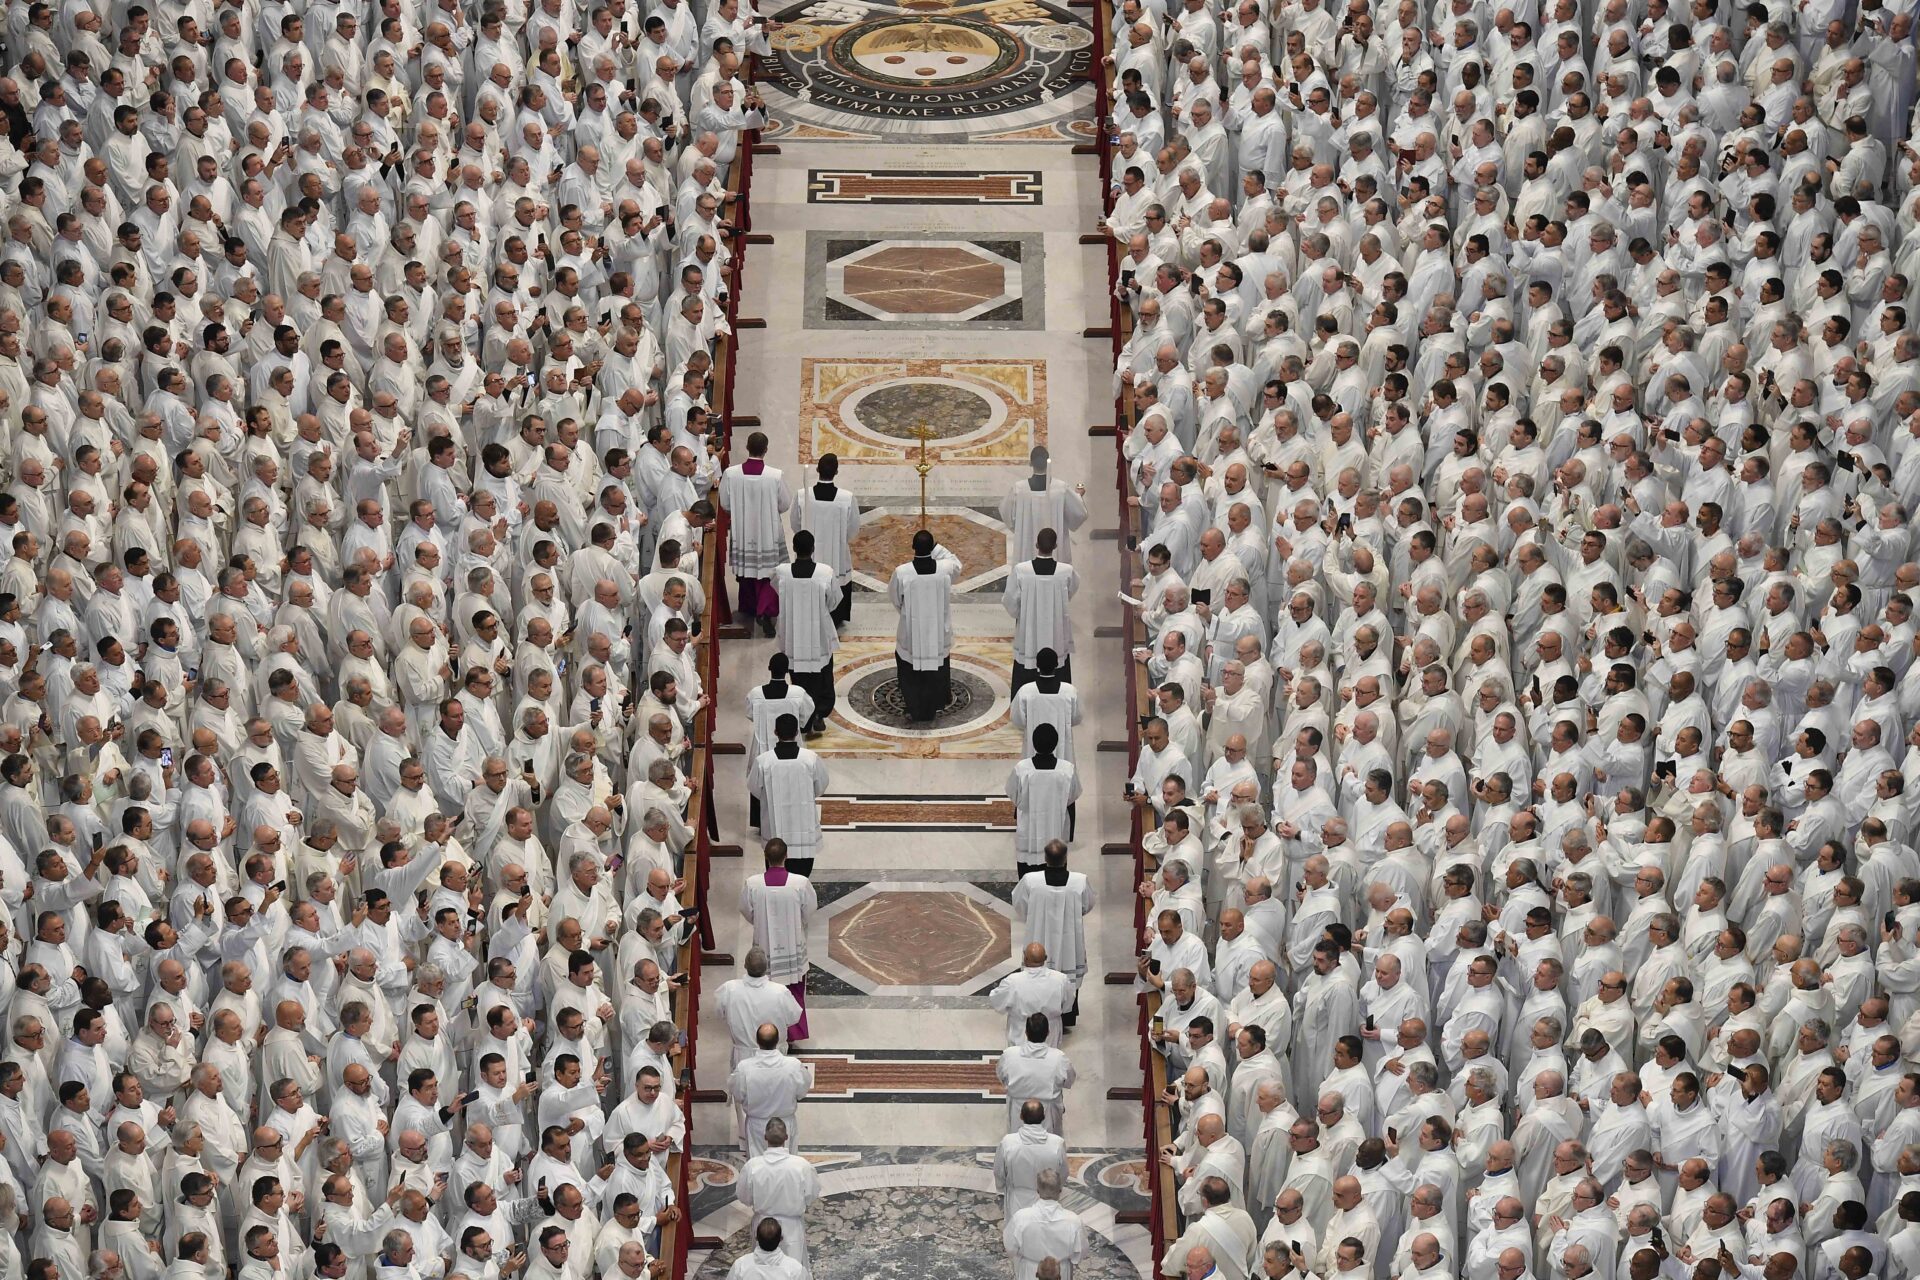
{"type": "Point", "coordinates": [928, 280]}
{"type": "Point", "coordinates": [869, 720]}
{"type": "Point", "coordinates": [899, 410]}
{"type": "Point", "coordinates": [985, 411]}
{"type": "Point", "coordinates": [903, 1233]}
{"type": "Point", "coordinates": [1098, 1182]}
{"type": "Point", "coordinates": [925, 70]}
{"type": "Point", "coordinates": [951, 279]}
{"type": "Point", "coordinates": [877, 697]}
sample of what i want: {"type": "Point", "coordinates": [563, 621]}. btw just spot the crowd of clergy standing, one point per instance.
{"type": "Point", "coordinates": [1521, 413]}
{"type": "Point", "coordinates": [356, 371]}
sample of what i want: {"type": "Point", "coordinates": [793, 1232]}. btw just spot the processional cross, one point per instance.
{"type": "Point", "coordinates": [924, 467]}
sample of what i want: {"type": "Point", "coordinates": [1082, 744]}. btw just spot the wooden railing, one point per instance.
{"type": "Point", "coordinates": [1157, 1120]}
{"type": "Point", "coordinates": [676, 1238]}
{"type": "Point", "coordinates": [1157, 1116]}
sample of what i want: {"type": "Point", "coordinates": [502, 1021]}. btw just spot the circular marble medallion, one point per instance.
{"type": "Point", "coordinates": [876, 697]}
{"type": "Point", "coordinates": [898, 409]}
{"type": "Point", "coordinates": [1059, 37]}
{"type": "Point", "coordinates": [799, 37]}
{"type": "Point", "coordinates": [944, 51]}
{"type": "Point", "coordinates": [929, 68]}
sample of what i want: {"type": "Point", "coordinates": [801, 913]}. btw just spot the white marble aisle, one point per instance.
{"type": "Point", "coordinates": [915, 921]}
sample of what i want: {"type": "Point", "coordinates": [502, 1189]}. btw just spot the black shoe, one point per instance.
{"type": "Point", "coordinates": [766, 627]}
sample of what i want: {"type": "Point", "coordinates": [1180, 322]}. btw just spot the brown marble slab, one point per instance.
{"type": "Point", "coordinates": [885, 542]}
{"type": "Point", "coordinates": [837, 1075]}
{"type": "Point", "coordinates": [853, 812]}
{"type": "Point", "coordinates": [910, 279]}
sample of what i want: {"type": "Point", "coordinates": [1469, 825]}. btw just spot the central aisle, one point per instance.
{"type": "Point", "coordinates": [966, 316]}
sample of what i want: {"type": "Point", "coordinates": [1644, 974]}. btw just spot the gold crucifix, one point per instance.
{"type": "Point", "coordinates": [924, 467]}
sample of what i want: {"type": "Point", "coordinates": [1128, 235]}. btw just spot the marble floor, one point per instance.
{"type": "Point", "coordinates": [930, 277]}
{"type": "Point", "coordinates": [907, 1213]}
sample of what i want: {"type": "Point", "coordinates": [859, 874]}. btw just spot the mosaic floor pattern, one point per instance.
{"type": "Point", "coordinates": [864, 724]}
{"type": "Point", "coordinates": [912, 1213]}
{"type": "Point", "coordinates": [885, 542]}
{"type": "Point", "coordinates": [985, 411]}
{"type": "Point", "coordinates": [927, 70]}
{"type": "Point", "coordinates": [903, 1233]}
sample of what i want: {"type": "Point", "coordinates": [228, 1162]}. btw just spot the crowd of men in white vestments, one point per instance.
{"type": "Point", "coordinates": [355, 373]}
{"type": "Point", "coordinates": [1522, 416]}
{"type": "Point", "coordinates": [1523, 427]}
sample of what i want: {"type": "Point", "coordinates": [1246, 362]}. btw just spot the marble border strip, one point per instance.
{"type": "Point", "coordinates": [973, 820]}
{"type": "Point", "coordinates": [1002, 874]}
{"type": "Point", "coordinates": [1039, 123]}
{"type": "Point", "coordinates": [877, 1089]}
{"type": "Point", "coordinates": [901, 1055]}
{"type": "Point", "coordinates": [1072, 129]}
{"type": "Point", "coordinates": [903, 1004]}
{"type": "Point", "coordinates": [917, 186]}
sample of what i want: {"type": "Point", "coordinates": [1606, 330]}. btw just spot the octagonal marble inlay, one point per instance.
{"type": "Point", "coordinates": [905, 280]}
{"type": "Point", "coordinates": [925, 279]}
{"type": "Point", "coordinates": [877, 697]}
{"type": "Point", "coordinates": [928, 938]}
{"type": "Point", "coordinates": [928, 279]}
